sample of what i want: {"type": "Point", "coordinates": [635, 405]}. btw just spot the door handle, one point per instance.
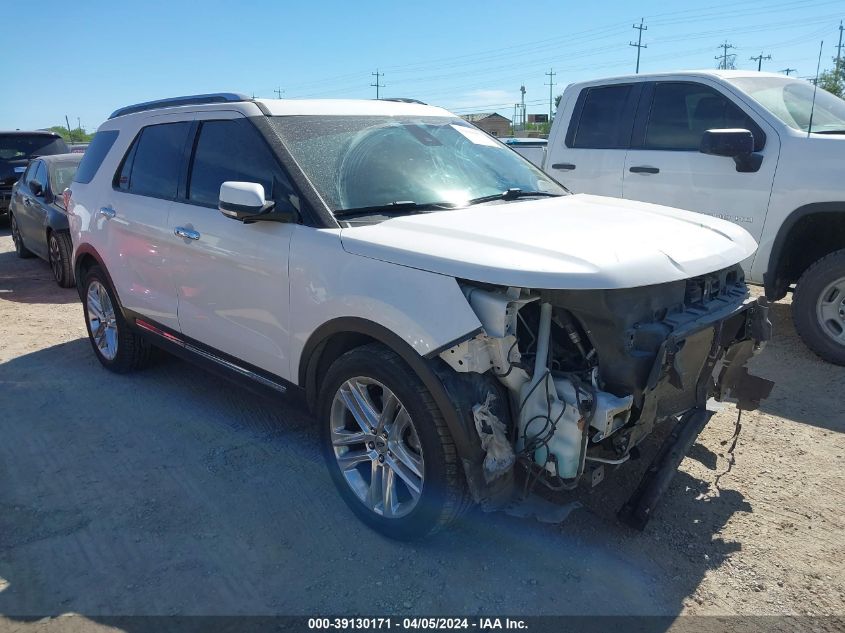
{"type": "Point", "coordinates": [642, 169]}
{"type": "Point", "coordinates": [563, 166]}
{"type": "Point", "coordinates": [107, 212]}
{"type": "Point", "coordinates": [188, 234]}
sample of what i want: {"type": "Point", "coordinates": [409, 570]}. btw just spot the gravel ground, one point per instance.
{"type": "Point", "coordinates": [171, 491]}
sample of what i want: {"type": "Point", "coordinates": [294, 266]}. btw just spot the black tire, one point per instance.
{"type": "Point", "coordinates": [22, 251]}
{"type": "Point", "coordinates": [132, 352]}
{"type": "Point", "coordinates": [59, 249]}
{"type": "Point", "coordinates": [817, 335]}
{"type": "Point", "coordinates": [444, 495]}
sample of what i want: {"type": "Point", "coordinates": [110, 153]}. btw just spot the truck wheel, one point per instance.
{"type": "Point", "coordinates": [387, 446]}
{"type": "Point", "coordinates": [116, 346]}
{"type": "Point", "coordinates": [22, 251]}
{"type": "Point", "coordinates": [60, 249]}
{"type": "Point", "coordinates": [818, 307]}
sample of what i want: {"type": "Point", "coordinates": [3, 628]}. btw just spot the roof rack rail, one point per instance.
{"type": "Point", "coordinates": [216, 97]}
{"type": "Point", "coordinates": [404, 100]}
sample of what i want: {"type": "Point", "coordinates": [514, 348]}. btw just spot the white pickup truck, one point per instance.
{"type": "Point", "coordinates": [762, 150]}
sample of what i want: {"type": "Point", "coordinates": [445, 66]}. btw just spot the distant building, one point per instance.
{"type": "Point", "coordinates": [538, 118]}
{"type": "Point", "coordinates": [491, 122]}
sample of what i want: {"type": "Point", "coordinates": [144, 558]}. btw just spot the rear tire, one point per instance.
{"type": "Point", "coordinates": [414, 440]}
{"type": "Point", "coordinates": [59, 248]}
{"type": "Point", "coordinates": [818, 307]}
{"type": "Point", "coordinates": [22, 251]}
{"type": "Point", "coordinates": [116, 346]}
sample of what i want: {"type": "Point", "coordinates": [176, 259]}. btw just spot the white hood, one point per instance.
{"type": "Point", "coordinates": [572, 242]}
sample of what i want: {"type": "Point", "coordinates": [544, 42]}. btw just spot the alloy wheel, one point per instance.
{"type": "Point", "coordinates": [377, 447]}
{"type": "Point", "coordinates": [16, 235]}
{"type": "Point", "coordinates": [830, 310]}
{"type": "Point", "coordinates": [102, 320]}
{"type": "Point", "coordinates": [55, 258]}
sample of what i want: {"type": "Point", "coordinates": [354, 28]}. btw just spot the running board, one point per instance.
{"type": "Point", "coordinates": [222, 362]}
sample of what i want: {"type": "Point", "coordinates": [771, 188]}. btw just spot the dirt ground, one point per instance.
{"type": "Point", "coordinates": [171, 491]}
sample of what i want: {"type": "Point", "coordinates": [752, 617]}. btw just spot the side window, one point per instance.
{"type": "Point", "coordinates": [682, 112]}
{"type": "Point", "coordinates": [94, 155]}
{"type": "Point", "coordinates": [152, 164]}
{"type": "Point", "coordinates": [29, 174]}
{"type": "Point", "coordinates": [606, 118]}
{"type": "Point", "coordinates": [41, 175]}
{"type": "Point", "coordinates": [233, 150]}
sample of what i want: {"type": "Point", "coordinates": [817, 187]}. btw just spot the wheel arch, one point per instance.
{"type": "Point", "coordinates": [85, 257]}
{"type": "Point", "coordinates": [338, 336]}
{"type": "Point", "coordinates": [809, 233]}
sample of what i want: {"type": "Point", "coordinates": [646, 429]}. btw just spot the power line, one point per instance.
{"type": "Point", "coordinates": [639, 43]}
{"type": "Point", "coordinates": [759, 59]}
{"type": "Point", "coordinates": [551, 75]}
{"type": "Point", "coordinates": [378, 84]}
{"type": "Point", "coordinates": [724, 55]}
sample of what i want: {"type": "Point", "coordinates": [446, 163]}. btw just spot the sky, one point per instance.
{"type": "Point", "coordinates": [466, 56]}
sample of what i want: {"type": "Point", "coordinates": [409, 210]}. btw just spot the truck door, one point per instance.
{"type": "Point", "coordinates": [588, 155]}
{"type": "Point", "coordinates": [664, 165]}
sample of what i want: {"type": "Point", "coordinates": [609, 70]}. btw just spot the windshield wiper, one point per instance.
{"type": "Point", "coordinates": [513, 194]}
{"type": "Point", "coordinates": [395, 208]}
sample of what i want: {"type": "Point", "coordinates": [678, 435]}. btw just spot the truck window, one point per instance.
{"type": "Point", "coordinates": [606, 120]}
{"type": "Point", "coordinates": [682, 112]}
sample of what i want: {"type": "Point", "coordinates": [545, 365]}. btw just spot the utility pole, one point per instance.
{"type": "Point", "coordinates": [522, 107]}
{"type": "Point", "coordinates": [279, 92]}
{"type": "Point", "coordinates": [639, 43]}
{"type": "Point", "coordinates": [759, 59]}
{"type": "Point", "coordinates": [69, 132]}
{"type": "Point", "coordinates": [724, 56]}
{"type": "Point", "coordinates": [378, 84]}
{"type": "Point", "coordinates": [839, 50]}
{"type": "Point", "coordinates": [788, 71]}
{"type": "Point", "coordinates": [551, 75]}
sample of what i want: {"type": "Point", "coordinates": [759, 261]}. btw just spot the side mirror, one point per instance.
{"type": "Point", "coordinates": [732, 143]}
{"type": "Point", "coordinates": [36, 189]}
{"type": "Point", "coordinates": [244, 201]}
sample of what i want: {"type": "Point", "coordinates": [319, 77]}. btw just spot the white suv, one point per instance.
{"type": "Point", "coordinates": [461, 326]}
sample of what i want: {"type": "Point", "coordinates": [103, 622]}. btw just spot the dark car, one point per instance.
{"type": "Point", "coordinates": [37, 213]}
{"type": "Point", "coordinates": [16, 150]}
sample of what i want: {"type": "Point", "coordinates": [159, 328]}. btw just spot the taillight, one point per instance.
{"type": "Point", "coordinates": [66, 198]}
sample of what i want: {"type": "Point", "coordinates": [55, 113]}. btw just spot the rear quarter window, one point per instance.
{"type": "Point", "coordinates": [95, 155]}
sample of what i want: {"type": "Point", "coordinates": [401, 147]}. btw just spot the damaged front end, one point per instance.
{"type": "Point", "coordinates": [561, 382]}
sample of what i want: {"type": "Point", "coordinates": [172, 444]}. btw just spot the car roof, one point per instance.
{"type": "Point", "coordinates": [707, 72]}
{"type": "Point", "coordinates": [28, 133]}
{"type": "Point", "coordinates": [60, 158]}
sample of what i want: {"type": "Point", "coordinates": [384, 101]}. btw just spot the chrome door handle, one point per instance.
{"type": "Point", "coordinates": [107, 212]}
{"type": "Point", "coordinates": [188, 234]}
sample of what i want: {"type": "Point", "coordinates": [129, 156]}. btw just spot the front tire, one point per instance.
{"type": "Point", "coordinates": [387, 446]}
{"type": "Point", "coordinates": [116, 346]}
{"type": "Point", "coordinates": [59, 249]}
{"type": "Point", "coordinates": [20, 250]}
{"type": "Point", "coordinates": [818, 307]}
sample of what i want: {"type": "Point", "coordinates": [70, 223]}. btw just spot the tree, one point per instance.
{"type": "Point", "coordinates": [79, 135]}
{"type": "Point", "coordinates": [833, 80]}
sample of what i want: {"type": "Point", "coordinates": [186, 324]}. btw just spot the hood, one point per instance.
{"type": "Point", "coordinates": [572, 242]}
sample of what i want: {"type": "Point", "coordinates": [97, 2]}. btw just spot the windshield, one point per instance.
{"type": "Point", "coordinates": [791, 102]}
{"type": "Point", "coordinates": [362, 162]}
{"type": "Point", "coordinates": [20, 146]}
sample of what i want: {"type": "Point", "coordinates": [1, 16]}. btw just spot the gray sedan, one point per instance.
{"type": "Point", "coordinates": [37, 213]}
